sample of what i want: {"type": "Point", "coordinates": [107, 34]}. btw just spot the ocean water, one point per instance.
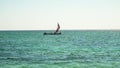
{"type": "Point", "coordinates": [71, 49]}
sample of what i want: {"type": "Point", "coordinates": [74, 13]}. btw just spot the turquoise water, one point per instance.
{"type": "Point", "coordinates": [72, 49]}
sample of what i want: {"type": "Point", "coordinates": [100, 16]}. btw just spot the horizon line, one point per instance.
{"type": "Point", "coordinates": [62, 30]}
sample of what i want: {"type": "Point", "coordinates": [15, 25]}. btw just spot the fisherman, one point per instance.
{"type": "Point", "coordinates": [57, 29]}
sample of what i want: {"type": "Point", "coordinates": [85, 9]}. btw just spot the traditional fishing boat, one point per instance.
{"type": "Point", "coordinates": [57, 32]}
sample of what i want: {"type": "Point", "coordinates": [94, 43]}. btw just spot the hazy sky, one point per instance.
{"type": "Point", "coordinates": [71, 14]}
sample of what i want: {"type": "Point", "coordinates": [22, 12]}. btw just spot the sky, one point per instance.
{"type": "Point", "coordinates": [70, 14]}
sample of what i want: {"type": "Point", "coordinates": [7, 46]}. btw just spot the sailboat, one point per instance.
{"type": "Point", "coordinates": [57, 32]}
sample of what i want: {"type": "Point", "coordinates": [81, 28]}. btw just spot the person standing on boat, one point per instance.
{"type": "Point", "coordinates": [58, 27]}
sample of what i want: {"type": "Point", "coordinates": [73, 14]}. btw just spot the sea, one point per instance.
{"type": "Point", "coordinates": [71, 49]}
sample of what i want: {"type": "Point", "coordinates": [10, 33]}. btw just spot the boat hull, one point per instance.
{"type": "Point", "coordinates": [52, 33]}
